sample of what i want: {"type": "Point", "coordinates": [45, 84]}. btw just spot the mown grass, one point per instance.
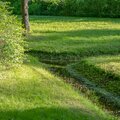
{"type": "Point", "coordinates": [30, 93]}
{"type": "Point", "coordinates": [75, 36]}
{"type": "Point", "coordinates": [63, 40]}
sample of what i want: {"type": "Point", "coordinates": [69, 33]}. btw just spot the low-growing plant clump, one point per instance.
{"type": "Point", "coordinates": [102, 71]}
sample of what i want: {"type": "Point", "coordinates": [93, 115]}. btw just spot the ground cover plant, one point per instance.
{"type": "Point", "coordinates": [100, 74]}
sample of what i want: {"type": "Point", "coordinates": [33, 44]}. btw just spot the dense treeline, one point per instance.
{"type": "Point", "coordinates": [92, 8]}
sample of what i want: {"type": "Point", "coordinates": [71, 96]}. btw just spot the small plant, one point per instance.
{"type": "Point", "coordinates": [11, 41]}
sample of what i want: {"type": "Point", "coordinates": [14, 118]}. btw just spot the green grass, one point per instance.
{"type": "Point", "coordinates": [60, 40]}
{"type": "Point", "coordinates": [75, 36]}
{"type": "Point", "coordinates": [30, 93]}
{"type": "Point", "coordinates": [108, 63]}
{"type": "Point", "coordinates": [63, 40]}
{"type": "Point", "coordinates": [102, 70]}
{"type": "Point", "coordinates": [101, 76]}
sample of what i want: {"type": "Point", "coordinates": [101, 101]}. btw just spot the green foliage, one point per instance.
{"type": "Point", "coordinates": [11, 41]}
{"type": "Point", "coordinates": [42, 7]}
{"type": "Point", "coordinates": [93, 8]}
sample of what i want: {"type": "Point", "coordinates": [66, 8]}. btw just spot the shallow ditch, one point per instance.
{"type": "Point", "coordinates": [59, 67]}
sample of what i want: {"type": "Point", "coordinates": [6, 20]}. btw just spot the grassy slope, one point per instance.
{"type": "Point", "coordinates": [30, 93]}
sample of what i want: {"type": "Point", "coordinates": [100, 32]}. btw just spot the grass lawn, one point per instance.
{"type": "Point", "coordinates": [101, 75]}
{"type": "Point", "coordinates": [60, 40]}
{"type": "Point", "coordinates": [30, 93]}
{"type": "Point", "coordinates": [63, 40]}
{"type": "Point", "coordinates": [75, 36]}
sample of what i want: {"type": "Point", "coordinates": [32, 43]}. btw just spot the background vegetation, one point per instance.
{"type": "Point", "coordinates": [88, 8]}
{"type": "Point", "coordinates": [11, 41]}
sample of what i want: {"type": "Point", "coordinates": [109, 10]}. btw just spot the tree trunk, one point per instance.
{"type": "Point", "coordinates": [25, 15]}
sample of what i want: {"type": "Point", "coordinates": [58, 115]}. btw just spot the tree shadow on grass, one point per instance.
{"type": "Point", "coordinates": [52, 19]}
{"type": "Point", "coordinates": [72, 45]}
{"type": "Point", "coordinates": [81, 33]}
{"type": "Point", "coordinates": [76, 38]}
{"type": "Point", "coordinates": [50, 114]}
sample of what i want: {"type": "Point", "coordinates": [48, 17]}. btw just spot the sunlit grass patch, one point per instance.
{"type": "Point", "coordinates": [31, 92]}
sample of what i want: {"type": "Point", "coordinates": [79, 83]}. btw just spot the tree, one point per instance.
{"type": "Point", "coordinates": [25, 15]}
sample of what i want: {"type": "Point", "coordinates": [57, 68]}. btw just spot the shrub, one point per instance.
{"type": "Point", "coordinates": [11, 41]}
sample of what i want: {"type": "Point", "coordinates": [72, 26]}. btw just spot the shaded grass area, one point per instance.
{"type": "Point", "coordinates": [30, 92]}
{"type": "Point", "coordinates": [49, 114]}
{"type": "Point", "coordinates": [93, 73]}
{"type": "Point", "coordinates": [79, 43]}
{"type": "Point", "coordinates": [103, 70]}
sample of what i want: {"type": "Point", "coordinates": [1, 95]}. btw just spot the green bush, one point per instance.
{"type": "Point", "coordinates": [11, 41]}
{"type": "Point", "coordinates": [42, 7]}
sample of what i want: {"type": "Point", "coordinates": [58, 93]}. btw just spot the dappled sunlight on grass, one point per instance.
{"type": "Point", "coordinates": [64, 40]}
{"type": "Point", "coordinates": [92, 45]}
{"type": "Point", "coordinates": [81, 36]}
{"type": "Point", "coordinates": [113, 67]}
{"type": "Point", "coordinates": [72, 23]}
{"type": "Point", "coordinates": [102, 70]}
